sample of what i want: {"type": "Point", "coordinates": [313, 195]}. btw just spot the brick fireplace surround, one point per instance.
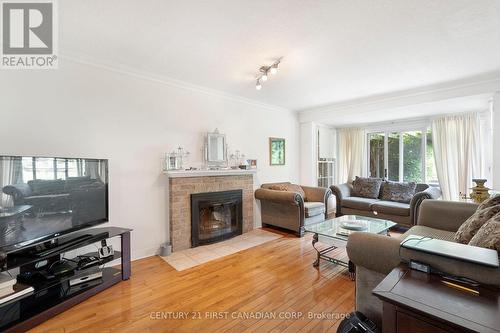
{"type": "Point", "coordinates": [180, 190]}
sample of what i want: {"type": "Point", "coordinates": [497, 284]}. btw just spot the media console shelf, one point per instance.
{"type": "Point", "coordinates": [54, 296]}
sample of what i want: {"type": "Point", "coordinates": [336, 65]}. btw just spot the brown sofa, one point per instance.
{"type": "Point", "coordinates": [376, 255]}
{"type": "Point", "coordinates": [402, 213]}
{"type": "Point", "coordinates": [289, 210]}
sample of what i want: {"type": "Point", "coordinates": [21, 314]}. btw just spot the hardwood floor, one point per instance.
{"type": "Point", "coordinates": [273, 279]}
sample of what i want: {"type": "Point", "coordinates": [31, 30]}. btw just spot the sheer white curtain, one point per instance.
{"type": "Point", "coordinates": [5, 176]}
{"type": "Point", "coordinates": [96, 170]}
{"type": "Point", "coordinates": [10, 173]}
{"type": "Point", "coordinates": [351, 144]}
{"type": "Point", "coordinates": [457, 152]}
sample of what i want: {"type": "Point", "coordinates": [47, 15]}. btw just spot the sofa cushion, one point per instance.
{"type": "Point", "coordinates": [314, 208]}
{"type": "Point", "coordinates": [488, 235]}
{"type": "Point", "coordinates": [391, 208]}
{"type": "Point", "coordinates": [366, 187]}
{"type": "Point", "coordinates": [490, 202]}
{"type": "Point", "coordinates": [398, 192]}
{"type": "Point", "coordinates": [420, 230]}
{"type": "Point", "coordinates": [471, 226]}
{"type": "Point", "coordinates": [358, 203]}
{"type": "Point", "coordinates": [76, 182]}
{"type": "Point", "coordinates": [289, 188]}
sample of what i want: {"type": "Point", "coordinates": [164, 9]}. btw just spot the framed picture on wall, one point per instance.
{"type": "Point", "coordinates": [276, 151]}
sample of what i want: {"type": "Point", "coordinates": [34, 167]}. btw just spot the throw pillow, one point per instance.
{"type": "Point", "coordinates": [490, 202]}
{"type": "Point", "coordinates": [471, 226]}
{"type": "Point", "coordinates": [290, 188]}
{"type": "Point", "coordinates": [366, 187]}
{"type": "Point", "coordinates": [399, 192]}
{"type": "Point", "coordinates": [488, 235]}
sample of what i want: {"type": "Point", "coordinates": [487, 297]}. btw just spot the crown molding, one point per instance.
{"type": "Point", "coordinates": [161, 79]}
{"type": "Point", "coordinates": [484, 84]}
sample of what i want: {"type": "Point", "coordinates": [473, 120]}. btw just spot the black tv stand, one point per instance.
{"type": "Point", "coordinates": [70, 244]}
{"type": "Point", "coordinates": [54, 296]}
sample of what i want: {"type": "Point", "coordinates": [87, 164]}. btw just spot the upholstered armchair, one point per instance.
{"type": "Point", "coordinates": [292, 207]}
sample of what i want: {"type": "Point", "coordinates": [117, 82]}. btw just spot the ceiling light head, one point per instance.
{"type": "Point", "coordinates": [258, 85]}
{"type": "Point", "coordinates": [264, 71]}
{"type": "Point", "coordinates": [274, 68]}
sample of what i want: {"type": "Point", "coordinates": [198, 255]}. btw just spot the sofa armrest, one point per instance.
{"type": "Point", "coordinates": [479, 273]}
{"type": "Point", "coordinates": [378, 253]}
{"type": "Point", "coordinates": [284, 197]}
{"type": "Point", "coordinates": [444, 215]}
{"type": "Point", "coordinates": [317, 194]}
{"type": "Point", "coordinates": [18, 192]}
{"type": "Point", "coordinates": [341, 191]}
{"type": "Point", "coordinates": [418, 198]}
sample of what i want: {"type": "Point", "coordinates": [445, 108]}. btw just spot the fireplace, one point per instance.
{"type": "Point", "coordinates": [215, 216]}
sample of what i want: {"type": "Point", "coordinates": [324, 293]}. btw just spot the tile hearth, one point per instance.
{"type": "Point", "coordinates": [185, 259]}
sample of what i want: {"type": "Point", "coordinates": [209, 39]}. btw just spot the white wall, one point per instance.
{"type": "Point", "coordinates": [308, 144]}
{"type": "Point", "coordinates": [87, 111]}
{"type": "Point", "coordinates": [327, 142]}
{"type": "Point", "coordinates": [496, 141]}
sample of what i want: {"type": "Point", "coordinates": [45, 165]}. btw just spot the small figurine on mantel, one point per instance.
{"type": "Point", "coordinates": [479, 192]}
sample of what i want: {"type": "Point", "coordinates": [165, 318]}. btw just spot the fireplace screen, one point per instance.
{"type": "Point", "coordinates": [215, 216]}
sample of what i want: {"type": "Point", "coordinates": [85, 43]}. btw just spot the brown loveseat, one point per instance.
{"type": "Point", "coordinates": [376, 255]}
{"type": "Point", "coordinates": [290, 208]}
{"type": "Point", "coordinates": [400, 212]}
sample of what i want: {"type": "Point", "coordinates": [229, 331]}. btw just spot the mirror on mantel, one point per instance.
{"type": "Point", "coordinates": [216, 158]}
{"type": "Point", "coordinates": [215, 150]}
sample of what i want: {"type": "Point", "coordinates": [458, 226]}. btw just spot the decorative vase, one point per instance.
{"type": "Point", "coordinates": [479, 192]}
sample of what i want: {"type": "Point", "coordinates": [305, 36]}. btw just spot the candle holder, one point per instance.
{"type": "Point", "coordinates": [175, 159]}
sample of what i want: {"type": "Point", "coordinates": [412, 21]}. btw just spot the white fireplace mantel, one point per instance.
{"type": "Point", "coordinates": [208, 173]}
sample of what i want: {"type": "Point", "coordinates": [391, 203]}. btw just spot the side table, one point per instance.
{"type": "Point", "coordinates": [417, 302]}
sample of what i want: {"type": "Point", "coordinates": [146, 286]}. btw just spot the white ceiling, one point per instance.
{"type": "Point", "coordinates": [421, 110]}
{"type": "Point", "coordinates": [333, 50]}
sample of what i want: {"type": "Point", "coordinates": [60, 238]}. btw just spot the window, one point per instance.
{"type": "Point", "coordinates": [377, 157]}
{"type": "Point", "coordinates": [61, 168]}
{"type": "Point", "coordinates": [412, 156]}
{"type": "Point", "coordinates": [51, 168]}
{"type": "Point", "coordinates": [45, 168]}
{"type": "Point", "coordinates": [28, 168]}
{"type": "Point", "coordinates": [402, 156]}
{"type": "Point", "coordinates": [393, 156]}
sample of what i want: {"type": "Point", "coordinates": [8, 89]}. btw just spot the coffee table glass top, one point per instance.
{"type": "Point", "coordinates": [336, 227]}
{"type": "Point", "coordinates": [14, 211]}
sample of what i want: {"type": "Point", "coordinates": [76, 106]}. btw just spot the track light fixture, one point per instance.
{"type": "Point", "coordinates": [264, 71]}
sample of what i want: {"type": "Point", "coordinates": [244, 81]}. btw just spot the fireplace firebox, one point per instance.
{"type": "Point", "coordinates": [215, 216]}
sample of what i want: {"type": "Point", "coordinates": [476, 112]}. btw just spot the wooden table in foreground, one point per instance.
{"type": "Point", "coordinates": [416, 302]}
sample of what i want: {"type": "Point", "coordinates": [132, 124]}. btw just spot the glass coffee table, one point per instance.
{"type": "Point", "coordinates": [339, 229]}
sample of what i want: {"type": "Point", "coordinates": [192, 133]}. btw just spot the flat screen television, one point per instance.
{"type": "Point", "coordinates": [44, 197]}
